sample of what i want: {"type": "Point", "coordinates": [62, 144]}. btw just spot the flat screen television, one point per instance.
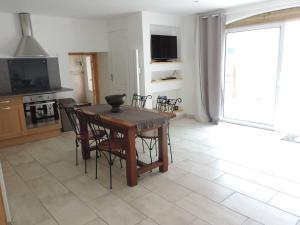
{"type": "Point", "coordinates": [28, 75]}
{"type": "Point", "coordinates": [163, 47]}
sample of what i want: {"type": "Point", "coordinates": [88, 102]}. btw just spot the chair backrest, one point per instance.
{"type": "Point", "coordinates": [72, 116]}
{"type": "Point", "coordinates": [164, 104]}
{"type": "Point", "coordinates": [95, 125]}
{"type": "Point", "coordinates": [161, 102]}
{"type": "Point", "coordinates": [139, 101]}
{"type": "Point", "coordinates": [70, 110]}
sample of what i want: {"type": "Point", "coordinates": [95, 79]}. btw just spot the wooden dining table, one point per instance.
{"type": "Point", "coordinates": [129, 121]}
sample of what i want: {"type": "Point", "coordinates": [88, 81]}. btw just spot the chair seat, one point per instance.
{"type": "Point", "coordinates": [149, 134]}
{"type": "Point", "coordinates": [100, 134]}
{"type": "Point", "coordinates": [112, 145]}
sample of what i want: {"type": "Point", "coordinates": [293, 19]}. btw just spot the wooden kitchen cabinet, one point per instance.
{"type": "Point", "coordinates": [12, 118]}
{"type": "Point", "coordinates": [13, 129]}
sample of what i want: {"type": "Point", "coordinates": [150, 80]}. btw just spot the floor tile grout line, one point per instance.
{"type": "Point", "coordinates": [270, 200]}
{"type": "Point", "coordinates": [39, 200]}
{"type": "Point", "coordinates": [248, 218]}
{"type": "Point", "coordinates": [209, 198]}
{"type": "Point", "coordinates": [276, 191]}
{"type": "Point", "coordinates": [238, 192]}
{"type": "Point", "coordinates": [264, 203]}
{"type": "Point", "coordinates": [75, 195]}
{"type": "Point", "coordinates": [210, 182]}
{"type": "Point", "coordinates": [172, 203]}
{"type": "Point", "coordinates": [220, 205]}
{"type": "Point", "coordinates": [234, 175]}
{"type": "Point", "coordinates": [265, 186]}
{"type": "Point", "coordinates": [249, 168]}
{"type": "Point", "coordinates": [62, 183]}
{"type": "Point", "coordinates": [227, 197]}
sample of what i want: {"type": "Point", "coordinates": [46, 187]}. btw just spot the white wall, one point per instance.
{"type": "Point", "coordinates": [188, 41]}
{"type": "Point", "coordinates": [58, 36]}
{"type": "Point", "coordinates": [183, 28]}
{"type": "Point", "coordinates": [139, 27]}
{"type": "Point", "coordinates": [103, 68]}
{"type": "Point", "coordinates": [188, 57]}
{"type": "Point", "coordinates": [148, 20]}
{"type": "Point", "coordinates": [131, 24]}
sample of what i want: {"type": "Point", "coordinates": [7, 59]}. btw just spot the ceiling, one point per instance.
{"type": "Point", "coordinates": [91, 9]}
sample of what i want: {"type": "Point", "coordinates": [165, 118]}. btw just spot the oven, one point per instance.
{"type": "Point", "coordinates": [40, 108]}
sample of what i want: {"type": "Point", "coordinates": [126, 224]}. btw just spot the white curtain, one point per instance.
{"type": "Point", "coordinates": [209, 67]}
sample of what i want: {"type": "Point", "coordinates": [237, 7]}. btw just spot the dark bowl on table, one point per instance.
{"type": "Point", "coordinates": [115, 101]}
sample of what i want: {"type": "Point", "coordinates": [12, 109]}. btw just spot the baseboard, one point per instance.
{"type": "Point", "coordinates": [189, 116]}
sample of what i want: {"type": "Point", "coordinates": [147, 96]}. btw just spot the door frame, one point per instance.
{"type": "Point", "coordinates": [281, 27]}
{"type": "Point", "coordinates": [95, 73]}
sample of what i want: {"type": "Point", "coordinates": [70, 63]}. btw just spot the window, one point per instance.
{"type": "Point", "coordinates": [262, 76]}
{"type": "Point", "coordinates": [251, 75]}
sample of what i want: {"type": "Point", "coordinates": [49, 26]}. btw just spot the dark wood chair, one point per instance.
{"type": "Point", "coordinates": [163, 104]}
{"type": "Point", "coordinates": [107, 145]}
{"type": "Point", "coordinates": [72, 114]}
{"type": "Point", "coordinates": [140, 100]}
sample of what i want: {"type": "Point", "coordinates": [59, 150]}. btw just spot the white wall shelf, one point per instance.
{"type": "Point", "coordinates": [165, 66]}
{"type": "Point", "coordinates": [169, 80]}
{"type": "Point", "coordinates": [166, 85]}
{"type": "Point", "coordinates": [166, 62]}
{"type": "Point", "coordinates": [162, 24]}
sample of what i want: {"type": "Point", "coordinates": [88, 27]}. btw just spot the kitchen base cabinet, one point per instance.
{"type": "Point", "coordinates": [12, 121]}
{"type": "Point", "coordinates": [13, 129]}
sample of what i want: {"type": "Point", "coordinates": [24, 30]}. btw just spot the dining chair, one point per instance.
{"type": "Point", "coordinates": [72, 114]}
{"type": "Point", "coordinates": [163, 104]}
{"type": "Point", "coordinates": [139, 101]}
{"type": "Point", "coordinates": [107, 145]}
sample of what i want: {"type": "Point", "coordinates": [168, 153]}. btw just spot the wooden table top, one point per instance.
{"type": "Point", "coordinates": [130, 117]}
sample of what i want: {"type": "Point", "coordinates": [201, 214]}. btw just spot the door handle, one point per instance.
{"type": "Point", "coordinates": [111, 77]}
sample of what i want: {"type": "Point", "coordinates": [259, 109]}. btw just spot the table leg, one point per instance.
{"type": "Point", "coordinates": [85, 139]}
{"type": "Point", "coordinates": [131, 166]}
{"type": "Point", "coordinates": [163, 148]}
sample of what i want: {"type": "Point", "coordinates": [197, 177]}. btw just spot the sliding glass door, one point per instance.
{"type": "Point", "coordinates": [288, 110]}
{"type": "Point", "coordinates": [251, 75]}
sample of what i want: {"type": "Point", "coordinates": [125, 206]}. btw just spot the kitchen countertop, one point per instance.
{"type": "Point", "coordinates": [54, 90]}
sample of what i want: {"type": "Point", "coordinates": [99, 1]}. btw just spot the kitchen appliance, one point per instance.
{"type": "Point", "coordinates": [40, 108]}
{"type": "Point", "coordinates": [163, 47]}
{"type": "Point", "coordinates": [28, 45]}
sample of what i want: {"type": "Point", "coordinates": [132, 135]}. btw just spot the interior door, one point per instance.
{"type": "Point", "coordinates": [119, 63]}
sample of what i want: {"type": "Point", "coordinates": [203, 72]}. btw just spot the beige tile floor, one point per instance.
{"type": "Point", "coordinates": [221, 175]}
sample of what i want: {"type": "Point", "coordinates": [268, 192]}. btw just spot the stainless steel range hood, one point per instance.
{"type": "Point", "coordinates": [28, 46]}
